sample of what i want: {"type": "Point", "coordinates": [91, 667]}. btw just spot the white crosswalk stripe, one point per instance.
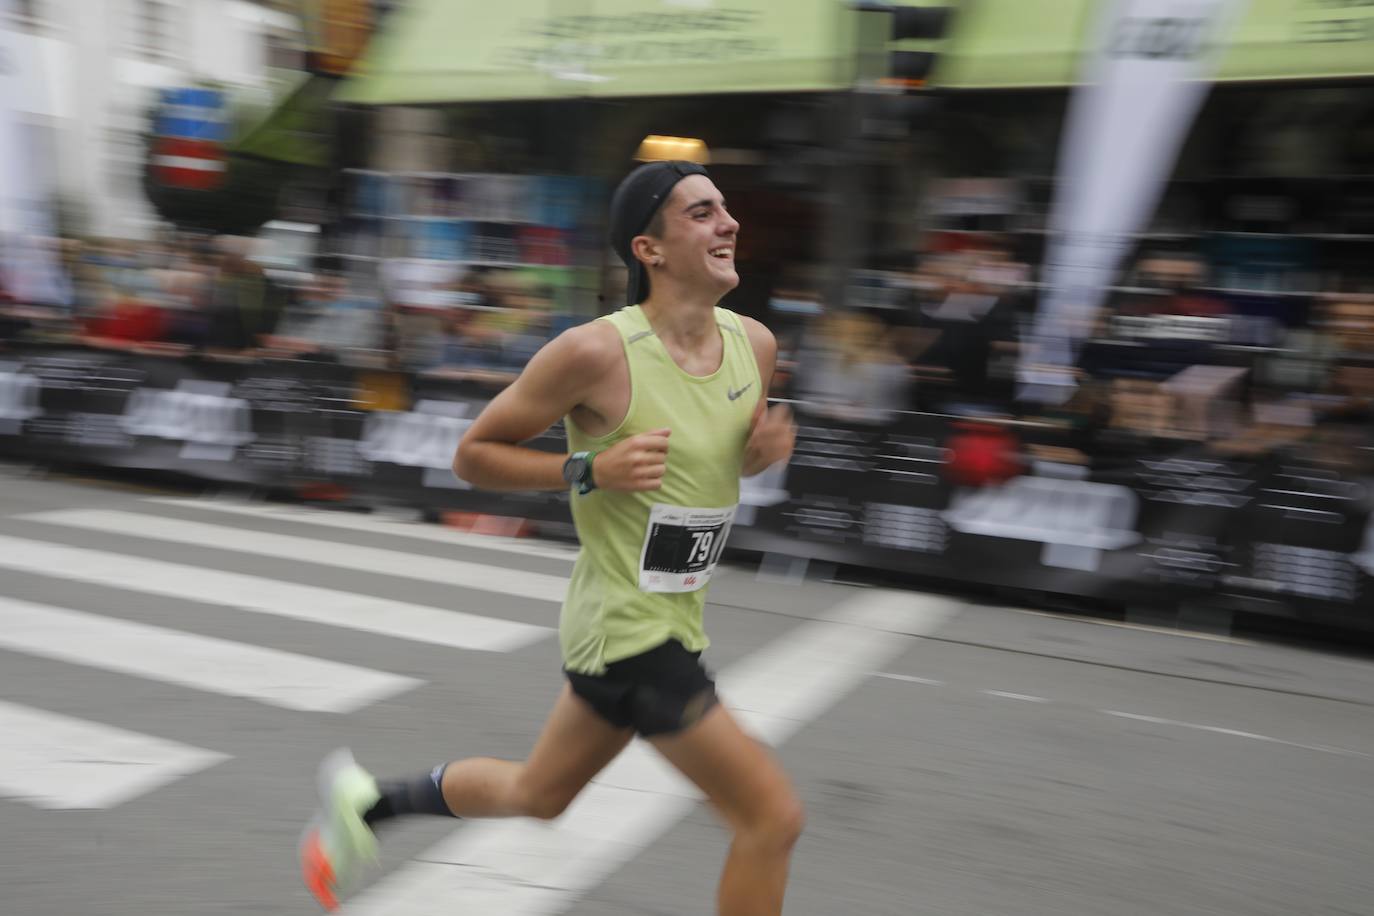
{"type": "Point", "coordinates": [55, 761]}
{"type": "Point", "coordinates": [52, 760]}
{"type": "Point", "coordinates": [269, 676]}
{"type": "Point", "coordinates": [478, 576]}
{"type": "Point", "coordinates": [269, 596]}
{"type": "Point", "coordinates": [373, 524]}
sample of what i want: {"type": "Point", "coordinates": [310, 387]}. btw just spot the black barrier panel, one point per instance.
{"type": "Point", "coordinates": [1306, 543]}
{"type": "Point", "coordinates": [43, 391]}
{"type": "Point", "coordinates": [1058, 534]}
{"type": "Point", "coordinates": [1153, 522]}
{"type": "Point", "coordinates": [81, 396]}
{"type": "Point", "coordinates": [1190, 514]}
{"type": "Point", "coordinates": [233, 422]}
{"type": "Point", "coordinates": [883, 497]}
{"type": "Point", "coordinates": [406, 456]}
{"type": "Point", "coordinates": [288, 403]}
{"type": "Point", "coordinates": [236, 423]}
{"type": "Point", "coordinates": [860, 494]}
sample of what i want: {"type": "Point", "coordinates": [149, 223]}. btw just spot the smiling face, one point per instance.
{"type": "Point", "coordinates": [695, 246]}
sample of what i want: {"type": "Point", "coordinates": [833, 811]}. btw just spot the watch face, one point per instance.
{"type": "Point", "coordinates": [574, 469]}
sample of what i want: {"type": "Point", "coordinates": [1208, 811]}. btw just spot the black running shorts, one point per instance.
{"type": "Point", "coordinates": [658, 692]}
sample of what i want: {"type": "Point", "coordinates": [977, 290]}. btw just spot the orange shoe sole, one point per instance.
{"type": "Point", "coordinates": [317, 873]}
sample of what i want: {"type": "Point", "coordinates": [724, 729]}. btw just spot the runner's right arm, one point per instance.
{"type": "Point", "coordinates": [558, 378]}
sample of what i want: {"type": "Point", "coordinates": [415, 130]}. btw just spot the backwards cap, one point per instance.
{"type": "Point", "coordinates": [632, 209]}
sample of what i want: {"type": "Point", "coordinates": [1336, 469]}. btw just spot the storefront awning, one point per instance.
{"type": "Point", "coordinates": [433, 51]}
{"type": "Point", "coordinates": [1025, 43]}
{"type": "Point", "coordinates": [299, 130]}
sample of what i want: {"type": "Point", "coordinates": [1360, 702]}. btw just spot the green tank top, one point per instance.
{"type": "Point", "coordinates": [640, 579]}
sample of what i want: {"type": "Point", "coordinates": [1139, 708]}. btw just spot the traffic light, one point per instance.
{"type": "Point", "coordinates": [883, 59]}
{"type": "Point", "coordinates": [895, 51]}
{"type": "Point", "coordinates": [895, 47]}
{"type": "Point", "coordinates": [916, 23]}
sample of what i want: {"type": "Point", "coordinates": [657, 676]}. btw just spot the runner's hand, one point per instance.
{"type": "Point", "coordinates": [636, 463]}
{"type": "Point", "coordinates": [771, 439]}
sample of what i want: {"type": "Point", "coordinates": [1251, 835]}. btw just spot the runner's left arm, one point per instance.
{"type": "Point", "coordinates": [773, 432]}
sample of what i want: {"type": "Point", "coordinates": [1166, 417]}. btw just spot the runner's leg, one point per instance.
{"type": "Point", "coordinates": [574, 746]}
{"type": "Point", "coordinates": [748, 786]}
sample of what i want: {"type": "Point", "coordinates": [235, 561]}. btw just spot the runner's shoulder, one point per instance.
{"type": "Point", "coordinates": [591, 347]}
{"type": "Point", "coordinates": [759, 336]}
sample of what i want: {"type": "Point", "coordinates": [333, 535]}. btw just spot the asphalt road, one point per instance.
{"type": "Point", "coordinates": [171, 672]}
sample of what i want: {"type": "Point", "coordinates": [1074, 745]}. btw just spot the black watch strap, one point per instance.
{"type": "Point", "coordinates": [577, 471]}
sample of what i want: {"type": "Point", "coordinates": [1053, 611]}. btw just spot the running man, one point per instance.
{"type": "Point", "coordinates": [665, 410]}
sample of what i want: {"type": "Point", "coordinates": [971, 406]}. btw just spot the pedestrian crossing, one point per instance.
{"type": "Point", "coordinates": [263, 595]}
{"type": "Point", "coordinates": [372, 524]}
{"type": "Point", "coordinates": [176, 606]}
{"type": "Point", "coordinates": [535, 586]}
{"type": "Point", "coordinates": [55, 760]}
{"type": "Point", "coordinates": [284, 679]}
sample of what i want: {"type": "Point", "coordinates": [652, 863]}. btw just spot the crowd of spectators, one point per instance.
{"type": "Point", "coordinates": [209, 297]}
{"type": "Point", "coordinates": [1182, 352]}
{"type": "Point", "coordinates": [1175, 354]}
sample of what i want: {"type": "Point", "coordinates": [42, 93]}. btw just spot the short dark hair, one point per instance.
{"type": "Point", "coordinates": [656, 226]}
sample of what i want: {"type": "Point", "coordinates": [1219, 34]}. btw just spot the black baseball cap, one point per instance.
{"type": "Point", "coordinates": [632, 209]}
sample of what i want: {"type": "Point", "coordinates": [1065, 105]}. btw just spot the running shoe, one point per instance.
{"type": "Point", "coordinates": [337, 840]}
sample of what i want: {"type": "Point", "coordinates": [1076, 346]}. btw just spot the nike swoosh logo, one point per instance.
{"type": "Point", "coordinates": [732, 394]}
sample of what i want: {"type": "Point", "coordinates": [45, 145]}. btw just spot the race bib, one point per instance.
{"type": "Point", "coordinates": [682, 546]}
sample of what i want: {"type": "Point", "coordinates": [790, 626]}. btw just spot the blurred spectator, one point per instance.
{"type": "Point", "coordinates": [126, 316]}
{"type": "Point", "coordinates": [850, 370]}
{"type": "Point", "coordinates": [327, 320]}
{"type": "Point", "coordinates": [1350, 319]}
{"type": "Point", "coordinates": [244, 306]}
{"type": "Point", "coordinates": [418, 332]}
{"type": "Point", "coordinates": [1182, 278]}
{"type": "Point", "coordinates": [1304, 358]}
{"type": "Point", "coordinates": [461, 350]}
{"type": "Point", "coordinates": [495, 328]}
{"type": "Point", "coordinates": [11, 325]}
{"type": "Point", "coordinates": [965, 317]}
{"type": "Point", "coordinates": [187, 284]}
{"type": "Point", "coordinates": [516, 329]}
{"type": "Point", "coordinates": [794, 304]}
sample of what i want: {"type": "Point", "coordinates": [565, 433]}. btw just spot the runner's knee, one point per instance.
{"type": "Point", "coordinates": [548, 807]}
{"type": "Point", "coordinates": [542, 802]}
{"type": "Point", "coordinates": [777, 826]}
{"type": "Point", "coordinates": [791, 822]}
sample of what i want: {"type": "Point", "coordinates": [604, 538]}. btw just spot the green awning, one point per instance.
{"type": "Point", "coordinates": [1022, 43]}
{"type": "Point", "coordinates": [299, 130]}
{"type": "Point", "coordinates": [433, 51]}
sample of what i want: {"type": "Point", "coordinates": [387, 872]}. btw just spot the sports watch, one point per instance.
{"type": "Point", "coordinates": [577, 471]}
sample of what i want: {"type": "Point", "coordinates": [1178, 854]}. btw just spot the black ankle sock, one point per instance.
{"type": "Point", "coordinates": [419, 795]}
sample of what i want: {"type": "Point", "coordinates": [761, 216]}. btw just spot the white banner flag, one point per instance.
{"type": "Point", "coordinates": [1142, 85]}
